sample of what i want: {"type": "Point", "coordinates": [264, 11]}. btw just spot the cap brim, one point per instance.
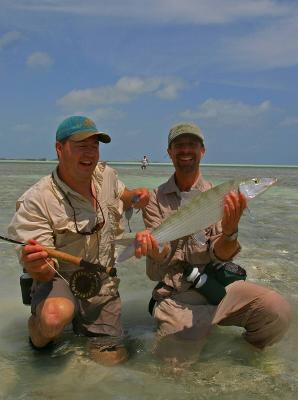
{"type": "Point", "coordinates": [102, 136]}
{"type": "Point", "coordinates": [199, 137]}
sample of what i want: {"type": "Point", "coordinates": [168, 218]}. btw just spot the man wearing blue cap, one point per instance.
{"type": "Point", "coordinates": [77, 209]}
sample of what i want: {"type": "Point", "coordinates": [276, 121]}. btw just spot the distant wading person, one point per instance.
{"type": "Point", "coordinates": [76, 209]}
{"type": "Point", "coordinates": [144, 163]}
{"type": "Point", "coordinates": [183, 304]}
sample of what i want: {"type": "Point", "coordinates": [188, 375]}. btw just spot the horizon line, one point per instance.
{"type": "Point", "coordinates": [152, 163]}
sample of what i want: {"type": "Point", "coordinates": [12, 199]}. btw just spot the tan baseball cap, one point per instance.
{"type": "Point", "coordinates": [184, 128]}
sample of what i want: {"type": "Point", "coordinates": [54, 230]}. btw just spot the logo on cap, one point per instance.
{"type": "Point", "coordinates": [88, 123]}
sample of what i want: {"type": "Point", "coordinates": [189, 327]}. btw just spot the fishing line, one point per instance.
{"type": "Point", "coordinates": [83, 284]}
{"type": "Point", "coordinates": [60, 276]}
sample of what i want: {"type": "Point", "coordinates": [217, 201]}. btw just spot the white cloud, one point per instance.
{"type": "Point", "coordinates": [290, 121]}
{"type": "Point", "coordinates": [170, 90]}
{"type": "Point", "coordinates": [227, 111]}
{"type": "Point", "coordinates": [273, 46]}
{"type": "Point", "coordinates": [39, 59]}
{"type": "Point", "coordinates": [125, 90]}
{"type": "Point", "coordinates": [9, 38]}
{"type": "Point", "coordinates": [176, 11]}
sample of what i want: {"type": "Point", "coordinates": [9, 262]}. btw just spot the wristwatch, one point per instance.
{"type": "Point", "coordinates": [232, 237]}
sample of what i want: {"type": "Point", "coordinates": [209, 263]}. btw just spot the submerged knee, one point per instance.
{"type": "Point", "coordinates": [277, 319]}
{"type": "Point", "coordinates": [269, 322]}
{"type": "Point", "coordinates": [280, 311]}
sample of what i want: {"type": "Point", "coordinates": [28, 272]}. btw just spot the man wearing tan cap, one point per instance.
{"type": "Point", "coordinates": [193, 292]}
{"type": "Point", "coordinates": [77, 210]}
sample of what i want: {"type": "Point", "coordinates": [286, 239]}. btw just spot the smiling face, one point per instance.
{"type": "Point", "coordinates": [186, 152]}
{"type": "Point", "coordinates": [77, 160]}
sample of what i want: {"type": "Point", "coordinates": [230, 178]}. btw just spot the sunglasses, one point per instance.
{"type": "Point", "coordinates": [97, 227]}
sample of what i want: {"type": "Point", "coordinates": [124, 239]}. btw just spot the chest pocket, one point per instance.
{"type": "Point", "coordinates": [66, 229]}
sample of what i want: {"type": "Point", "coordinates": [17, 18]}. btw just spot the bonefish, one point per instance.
{"type": "Point", "coordinates": [204, 209]}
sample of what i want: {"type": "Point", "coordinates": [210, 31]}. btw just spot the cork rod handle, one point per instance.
{"type": "Point", "coordinates": [60, 255]}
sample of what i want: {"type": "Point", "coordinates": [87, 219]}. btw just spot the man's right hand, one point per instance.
{"type": "Point", "coordinates": [34, 260]}
{"type": "Point", "coordinates": [146, 245]}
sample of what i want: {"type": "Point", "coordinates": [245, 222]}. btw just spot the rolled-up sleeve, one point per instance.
{"type": "Point", "coordinates": [215, 233]}
{"type": "Point", "coordinates": [29, 222]}
{"type": "Point", "coordinates": [151, 213]}
{"type": "Point", "coordinates": [120, 188]}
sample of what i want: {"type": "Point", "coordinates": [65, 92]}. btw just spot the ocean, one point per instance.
{"type": "Point", "coordinates": [227, 369]}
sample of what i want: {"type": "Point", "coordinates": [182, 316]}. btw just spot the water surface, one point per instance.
{"type": "Point", "coordinates": [227, 369]}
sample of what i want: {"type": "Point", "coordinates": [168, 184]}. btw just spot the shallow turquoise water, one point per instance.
{"type": "Point", "coordinates": [227, 369]}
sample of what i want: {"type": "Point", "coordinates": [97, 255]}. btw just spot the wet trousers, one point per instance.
{"type": "Point", "coordinates": [263, 313]}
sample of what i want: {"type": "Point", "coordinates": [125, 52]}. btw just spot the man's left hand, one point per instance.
{"type": "Point", "coordinates": [234, 205]}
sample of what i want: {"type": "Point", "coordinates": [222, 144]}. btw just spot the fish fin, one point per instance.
{"type": "Point", "coordinates": [250, 214]}
{"type": "Point", "coordinates": [126, 240]}
{"type": "Point", "coordinates": [200, 237]}
{"type": "Point", "coordinates": [127, 253]}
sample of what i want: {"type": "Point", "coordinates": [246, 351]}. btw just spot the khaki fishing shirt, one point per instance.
{"type": "Point", "coordinates": [194, 249]}
{"type": "Point", "coordinates": [44, 214]}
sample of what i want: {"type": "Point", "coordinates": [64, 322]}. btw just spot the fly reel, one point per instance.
{"type": "Point", "coordinates": [84, 284]}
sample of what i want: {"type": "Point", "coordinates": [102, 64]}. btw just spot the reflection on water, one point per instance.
{"type": "Point", "coordinates": [227, 369]}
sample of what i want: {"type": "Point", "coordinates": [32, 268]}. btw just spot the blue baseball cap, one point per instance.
{"type": "Point", "coordinates": [79, 128]}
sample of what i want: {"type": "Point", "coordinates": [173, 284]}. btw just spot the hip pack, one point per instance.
{"type": "Point", "coordinates": [216, 276]}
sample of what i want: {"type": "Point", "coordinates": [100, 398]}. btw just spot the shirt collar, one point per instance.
{"type": "Point", "coordinates": [171, 187]}
{"type": "Point", "coordinates": [61, 188]}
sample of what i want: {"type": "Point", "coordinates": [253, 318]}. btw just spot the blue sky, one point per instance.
{"type": "Point", "coordinates": [139, 66]}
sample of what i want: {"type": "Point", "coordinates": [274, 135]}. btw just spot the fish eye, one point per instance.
{"type": "Point", "coordinates": [256, 180]}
